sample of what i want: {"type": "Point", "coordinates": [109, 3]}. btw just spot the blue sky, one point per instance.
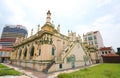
{"type": "Point", "coordinates": [80, 16]}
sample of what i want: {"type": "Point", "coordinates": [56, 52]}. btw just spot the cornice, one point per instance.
{"type": "Point", "coordinates": [33, 37]}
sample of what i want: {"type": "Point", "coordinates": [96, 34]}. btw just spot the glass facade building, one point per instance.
{"type": "Point", "coordinates": [10, 33]}
{"type": "Point", "coordinates": [8, 38]}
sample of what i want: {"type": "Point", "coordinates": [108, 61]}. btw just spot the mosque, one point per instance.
{"type": "Point", "coordinates": [48, 50]}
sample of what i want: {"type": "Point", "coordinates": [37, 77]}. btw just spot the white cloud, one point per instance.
{"type": "Point", "coordinates": [108, 30]}
{"type": "Point", "coordinates": [101, 3]}
{"type": "Point", "coordinates": [61, 9]}
{"type": "Point", "coordinates": [116, 11]}
{"type": "Point", "coordinates": [17, 14]}
{"type": "Point", "coordinates": [103, 19]}
{"type": "Point", "coordinates": [0, 15]}
{"type": "Point", "coordinates": [16, 9]}
{"type": "Point", "coordinates": [99, 24]}
{"type": "Point", "coordinates": [64, 8]}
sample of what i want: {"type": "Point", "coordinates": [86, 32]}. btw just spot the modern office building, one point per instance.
{"type": "Point", "coordinates": [94, 38]}
{"type": "Point", "coordinates": [8, 38]}
{"type": "Point", "coordinates": [10, 33]}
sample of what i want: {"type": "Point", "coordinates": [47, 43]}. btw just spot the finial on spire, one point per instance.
{"type": "Point", "coordinates": [31, 31]}
{"type": "Point", "coordinates": [58, 25]}
{"type": "Point", "coordinates": [48, 12]}
{"type": "Point", "coordinates": [58, 28]}
{"type": "Point", "coordinates": [38, 27]}
{"type": "Point", "coordinates": [68, 30]}
{"type": "Point", "coordinates": [48, 18]}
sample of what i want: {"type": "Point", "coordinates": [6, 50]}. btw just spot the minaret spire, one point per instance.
{"type": "Point", "coordinates": [38, 27]}
{"type": "Point", "coordinates": [31, 31]}
{"type": "Point", "coordinates": [48, 18]}
{"type": "Point", "coordinates": [49, 26]}
{"type": "Point", "coordinates": [58, 28]}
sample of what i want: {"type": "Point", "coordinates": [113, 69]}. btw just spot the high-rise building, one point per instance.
{"type": "Point", "coordinates": [8, 38]}
{"type": "Point", "coordinates": [10, 33]}
{"type": "Point", "coordinates": [94, 38]}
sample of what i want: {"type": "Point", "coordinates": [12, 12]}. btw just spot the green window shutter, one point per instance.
{"type": "Point", "coordinates": [53, 50]}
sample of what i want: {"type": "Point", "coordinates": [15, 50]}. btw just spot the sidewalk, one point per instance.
{"type": "Point", "coordinates": [29, 73]}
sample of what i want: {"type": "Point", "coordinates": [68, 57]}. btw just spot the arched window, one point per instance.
{"type": "Point", "coordinates": [39, 52]}
{"type": "Point", "coordinates": [25, 52]}
{"type": "Point", "coordinates": [20, 52]}
{"type": "Point", "coordinates": [16, 54]}
{"type": "Point", "coordinates": [32, 51]}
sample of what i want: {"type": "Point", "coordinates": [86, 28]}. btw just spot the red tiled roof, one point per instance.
{"type": "Point", "coordinates": [105, 48]}
{"type": "Point", "coordinates": [6, 49]}
{"type": "Point", "coordinates": [111, 54]}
